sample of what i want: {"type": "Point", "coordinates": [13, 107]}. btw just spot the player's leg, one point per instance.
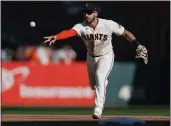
{"type": "Point", "coordinates": [104, 66]}
{"type": "Point", "coordinates": [91, 71]}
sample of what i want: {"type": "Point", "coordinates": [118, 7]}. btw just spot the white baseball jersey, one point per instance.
{"type": "Point", "coordinates": [99, 40]}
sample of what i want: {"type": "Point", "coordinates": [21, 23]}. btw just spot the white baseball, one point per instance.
{"type": "Point", "coordinates": [32, 24]}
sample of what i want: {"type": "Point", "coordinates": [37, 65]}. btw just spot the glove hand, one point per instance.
{"type": "Point", "coordinates": [142, 53]}
{"type": "Point", "coordinates": [50, 39]}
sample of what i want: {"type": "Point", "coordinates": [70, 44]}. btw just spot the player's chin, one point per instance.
{"type": "Point", "coordinates": [88, 20]}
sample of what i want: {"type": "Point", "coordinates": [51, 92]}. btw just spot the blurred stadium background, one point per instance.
{"type": "Point", "coordinates": [37, 78]}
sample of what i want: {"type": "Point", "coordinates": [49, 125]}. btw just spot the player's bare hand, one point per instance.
{"type": "Point", "coordinates": [50, 39]}
{"type": "Point", "coordinates": [142, 53]}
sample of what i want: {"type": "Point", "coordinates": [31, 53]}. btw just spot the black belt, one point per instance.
{"type": "Point", "coordinates": [97, 56]}
{"type": "Point", "coordinates": [94, 56]}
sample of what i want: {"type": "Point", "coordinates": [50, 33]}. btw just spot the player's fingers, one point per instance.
{"type": "Point", "coordinates": [46, 37]}
{"type": "Point", "coordinates": [50, 43]}
{"type": "Point", "coordinates": [53, 41]}
{"type": "Point", "coordinates": [47, 41]}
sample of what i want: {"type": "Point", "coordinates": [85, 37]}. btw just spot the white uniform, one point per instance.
{"type": "Point", "coordinates": [100, 56]}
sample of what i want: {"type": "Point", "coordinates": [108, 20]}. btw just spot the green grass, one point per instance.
{"type": "Point", "coordinates": [147, 110]}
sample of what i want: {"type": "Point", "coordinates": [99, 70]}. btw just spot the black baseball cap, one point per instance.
{"type": "Point", "coordinates": [90, 7]}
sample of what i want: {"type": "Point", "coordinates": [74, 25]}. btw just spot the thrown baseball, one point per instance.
{"type": "Point", "coordinates": [32, 24]}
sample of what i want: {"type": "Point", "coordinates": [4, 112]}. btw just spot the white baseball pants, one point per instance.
{"type": "Point", "coordinates": [99, 69]}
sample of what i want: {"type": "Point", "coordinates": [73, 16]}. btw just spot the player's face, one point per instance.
{"type": "Point", "coordinates": [89, 16]}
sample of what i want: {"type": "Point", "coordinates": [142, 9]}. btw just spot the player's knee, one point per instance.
{"type": "Point", "coordinates": [100, 77]}
{"type": "Point", "coordinates": [99, 74]}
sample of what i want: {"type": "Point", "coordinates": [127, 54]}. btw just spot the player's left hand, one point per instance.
{"type": "Point", "coordinates": [142, 53]}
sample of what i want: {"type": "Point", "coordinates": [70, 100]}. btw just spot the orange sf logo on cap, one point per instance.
{"type": "Point", "coordinates": [87, 4]}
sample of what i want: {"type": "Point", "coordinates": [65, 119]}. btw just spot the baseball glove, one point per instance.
{"type": "Point", "coordinates": [142, 53]}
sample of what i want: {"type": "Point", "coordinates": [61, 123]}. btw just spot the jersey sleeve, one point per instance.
{"type": "Point", "coordinates": [116, 28]}
{"type": "Point", "coordinates": [78, 29]}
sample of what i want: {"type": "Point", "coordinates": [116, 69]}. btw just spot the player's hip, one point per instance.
{"type": "Point", "coordinates": [94, 55]}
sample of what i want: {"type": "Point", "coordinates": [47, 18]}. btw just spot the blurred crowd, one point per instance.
{"type": "Point", "coordinates": [40, 54]}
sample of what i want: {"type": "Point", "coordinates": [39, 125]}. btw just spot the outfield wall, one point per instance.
{"type": "Point", "coordinates": [25, 84]}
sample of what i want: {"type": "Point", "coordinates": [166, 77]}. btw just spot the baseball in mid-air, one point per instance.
{"type": "Point", "coordinates": [32, 24]}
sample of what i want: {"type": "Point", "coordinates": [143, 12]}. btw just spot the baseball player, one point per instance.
{"type": "Point", "coordinates": [97, 36]}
